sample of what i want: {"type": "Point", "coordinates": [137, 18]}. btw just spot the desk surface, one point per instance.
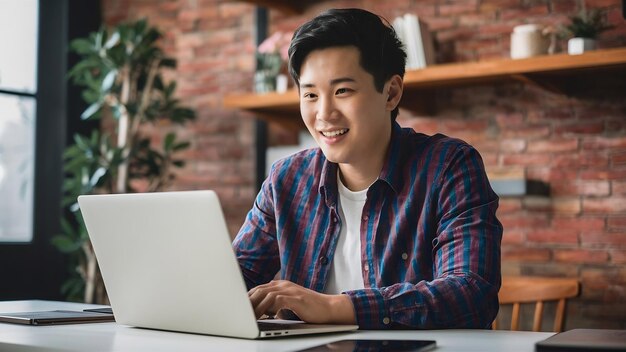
{"type": "Point", "coordinates": [114, 337]}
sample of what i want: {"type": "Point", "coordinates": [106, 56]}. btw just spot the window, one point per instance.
{"type": "Point", "coordinates": [18, 89]}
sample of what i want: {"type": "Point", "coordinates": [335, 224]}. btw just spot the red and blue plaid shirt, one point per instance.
{"type": "Point", "coordinates": [430, 239]}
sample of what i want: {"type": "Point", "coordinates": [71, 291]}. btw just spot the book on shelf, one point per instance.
{"type": "Point", "coordinates": [417, 40]}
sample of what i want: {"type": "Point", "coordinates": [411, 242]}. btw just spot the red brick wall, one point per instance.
{"type": "Point", "coordinates": [213, 43]}
{"type": "Point", "coordinates": [574, 144]}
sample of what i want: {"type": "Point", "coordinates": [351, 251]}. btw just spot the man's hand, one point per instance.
{"type": "Point", "coordinates": [310, 306]}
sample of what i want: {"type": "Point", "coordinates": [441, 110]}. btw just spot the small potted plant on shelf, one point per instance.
{"type": "Point", "coordinates": [584, 30]}
{"type": "Point", "coordinates": [270, 63]}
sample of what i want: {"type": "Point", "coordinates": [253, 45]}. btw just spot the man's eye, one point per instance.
{"type": "Point", "coordinates": [342, 91]}
{"type": "Point", "coordinates": [309, 96]}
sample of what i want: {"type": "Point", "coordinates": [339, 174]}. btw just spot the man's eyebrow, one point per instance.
{"type": "Point", "coordinates": [342, 80]}
{"type": "Point", "coordinates": [332, 82]}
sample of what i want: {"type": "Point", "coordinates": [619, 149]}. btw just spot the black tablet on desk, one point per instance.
{"type": "Point", "coordinates": [588, 340]}
{"type": "Point", "coordinates": [359, 345]}
{"type": "Point", "coordinates": [54, 317]}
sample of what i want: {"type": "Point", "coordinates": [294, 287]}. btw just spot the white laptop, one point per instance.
{"type": "Point", "coordinates": [167, 262]}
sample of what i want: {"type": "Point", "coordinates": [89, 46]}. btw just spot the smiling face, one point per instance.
{"type": "Point", "coordinates": [349, 119]}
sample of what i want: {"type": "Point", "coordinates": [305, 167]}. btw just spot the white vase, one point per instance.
{"type": "Point", "coordinates": [529, 40]}
{"type": "Point", "coordinates": [577, 46]}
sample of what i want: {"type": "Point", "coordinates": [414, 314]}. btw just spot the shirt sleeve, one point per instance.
{"type": "Point", "coordinates": [255, 245]}
{"type": "Point", "coordinates": [466, 259]}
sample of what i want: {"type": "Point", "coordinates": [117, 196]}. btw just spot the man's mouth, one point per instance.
{"type": "Point", "coordinates": [334, 133]}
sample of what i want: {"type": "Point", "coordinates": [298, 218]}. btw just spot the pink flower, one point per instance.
{"type": "Point", "coordinates": [276, 43]}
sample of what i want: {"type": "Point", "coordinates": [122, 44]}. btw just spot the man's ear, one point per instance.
{"type": "Point", "coordinates": [394, 92]}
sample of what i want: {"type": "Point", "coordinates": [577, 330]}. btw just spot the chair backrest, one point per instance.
{"type": "Point", "coordinates": [516, 290]}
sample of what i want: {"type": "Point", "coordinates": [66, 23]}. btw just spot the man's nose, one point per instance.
{"type": "Point", "coordinates": [326, 109]}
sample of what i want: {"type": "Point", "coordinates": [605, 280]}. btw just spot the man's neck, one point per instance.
{"type": "Point", "coordinates": [354, 179]}
{"type": "Point", "coordinates": [360, 175]}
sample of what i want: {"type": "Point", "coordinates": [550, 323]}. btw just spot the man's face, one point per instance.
{"type": "Point", "coordinates": [341, 108]}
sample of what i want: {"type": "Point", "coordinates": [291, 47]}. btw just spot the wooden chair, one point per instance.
{"type": "Point", "coordinates": [516, 290]}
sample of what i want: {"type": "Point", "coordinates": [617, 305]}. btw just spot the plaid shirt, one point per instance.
{"type": "Point", "coordinates": [430, 239]}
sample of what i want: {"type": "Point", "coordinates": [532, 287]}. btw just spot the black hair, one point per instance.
{"type": "Point", "coordinates": [381, 52]}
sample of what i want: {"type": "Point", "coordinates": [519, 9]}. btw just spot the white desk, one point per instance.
{"type": "Point", "coordinates": [114, 337]}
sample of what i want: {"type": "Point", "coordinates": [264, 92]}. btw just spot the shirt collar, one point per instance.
{"type": "Point", "coordinates": [389, 173]}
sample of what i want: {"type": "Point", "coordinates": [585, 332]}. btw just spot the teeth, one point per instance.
{"type": "Point", "coordinates": [335, 133]}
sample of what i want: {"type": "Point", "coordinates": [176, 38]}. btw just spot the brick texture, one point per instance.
{"type": "Point", "coordinates": [575, 145]}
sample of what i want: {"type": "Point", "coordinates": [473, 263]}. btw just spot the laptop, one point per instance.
{"type": "Point", "coordinates": [588, 340]}
{"type": "Point", "coordinates": [167, 262]}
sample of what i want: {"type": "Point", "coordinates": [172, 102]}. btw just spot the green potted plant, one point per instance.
{"type": "Point", "coordinates": [121, 72]}
{"type": "Point", "coordinates": [584, 30]}
{"type": "Point", "coordinates": [271, 58]}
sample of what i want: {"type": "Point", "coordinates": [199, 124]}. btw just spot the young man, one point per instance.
{"type": "Point", "coordinates": [379, 226]}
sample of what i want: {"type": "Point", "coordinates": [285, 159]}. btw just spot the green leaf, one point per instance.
{"type": "Point", "coordinates": [74, 207]}
{"type": "Point", "coordinates": [167, 62]}
{"type": "Point", "coordinates": [169, 141]}
{"type": "Point", "coordinates": [169, 90]}
{"type": "Point", "coordinates": [81, 46]}
{"type": "Point", "coordinates": [90, 96]}
{"type": "Point", "coordinates": [76, 164]}
{"type": "Point", "coordinates": [95, 178]}
{"type": "Point", "coordinates": [95, 136]}
{"type": "Point", "coordinates": [73, 288]}
{"type": "Point", "coordinates": [98, 37]}
{"type": "Point", "coordinates": [124, 33]}
{"type": "Point", "coordinates": [141, 25]}
{"type": "Point", "coordinates": [181, 146]}
{"type": "Point", "coordinates": [108, 81]}
{"type": "Point", "coordinates": [67, 201]}
{"type": "Point", "coordinates": [71, 152]}
{"type": "Point", "coordinates": [83, 67]}
{"type": "Point", "coordinates": [180, 115]}
{"type": "Point", "coordinates": [91, 110]}
{"type": "Point", "coordinates": [67, 228]}
{"type": "Point", "coordinates": [113, 40]}
{"type": "Point", "coordinates": [117, 56]}
{"type": "Point", "coordinates": [81, 142]}
{"type": "Point", "coordinates": [158, 83]}
{"type": "Point", "coordinates": [66, 244]}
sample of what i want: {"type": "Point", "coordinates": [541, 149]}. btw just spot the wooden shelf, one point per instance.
{"type": "Point", "coordinates": [499, 70]}
{"type": "Point", "coordinates": [546, 71]}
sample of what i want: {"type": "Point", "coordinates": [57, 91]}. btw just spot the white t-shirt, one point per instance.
{"type": "Point", "coordinates": [345, 272]}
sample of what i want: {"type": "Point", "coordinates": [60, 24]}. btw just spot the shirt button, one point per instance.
{"type": "Point", "coordinates": [366, 268]}
{"type": "Point", "coordinates": [324, 260]}
{"type": "Point", "coordinates": [334, 219]}
{"type": "Point", "coordinates": [405, 256]}
{"type": "Point", "coordinates": [386, 321]}
{"type": "Point", "coordinates": [366, 217]}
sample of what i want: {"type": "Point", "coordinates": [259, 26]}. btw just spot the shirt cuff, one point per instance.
{"type": "Point", "coordinates": [370, 309]}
